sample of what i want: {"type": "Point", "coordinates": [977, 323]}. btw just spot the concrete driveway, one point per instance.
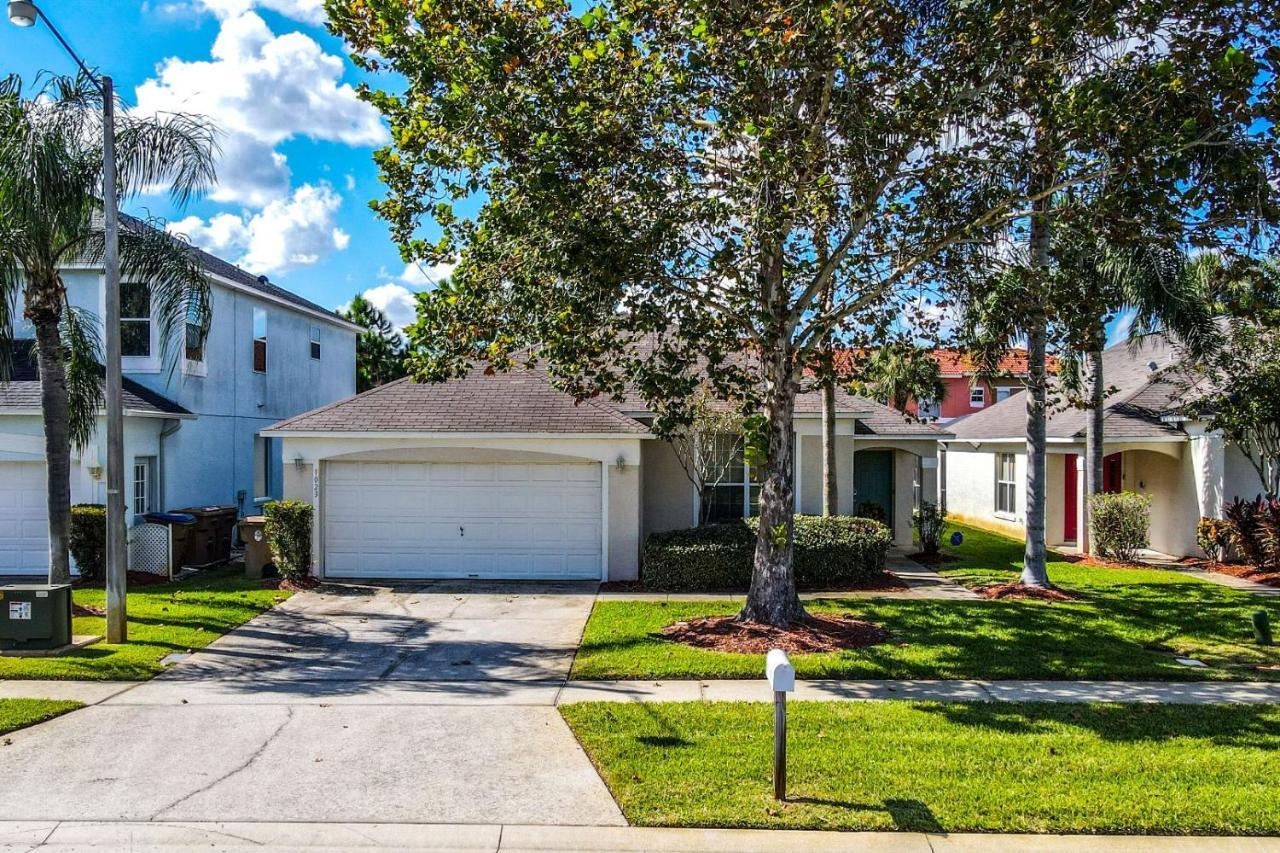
{"type": "Point", "coordinates": [425, 703]}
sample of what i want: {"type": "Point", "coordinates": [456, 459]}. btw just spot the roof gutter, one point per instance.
{"type": "Point", "coordinates": [579, 436]}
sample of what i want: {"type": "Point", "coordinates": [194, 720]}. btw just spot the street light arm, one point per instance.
{"type": "Point", "coordinates": [94, 78]}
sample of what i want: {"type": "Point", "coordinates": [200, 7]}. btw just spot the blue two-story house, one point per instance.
{"type": "Point", "coordinates": [191, 433]}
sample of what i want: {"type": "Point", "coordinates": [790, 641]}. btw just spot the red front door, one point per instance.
{"type": "Point", "coordinates": [1111, 473]}
{"type": "Point", "coordinates": [1070, 520]}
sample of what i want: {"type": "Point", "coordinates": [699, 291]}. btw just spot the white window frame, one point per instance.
{"type": "Point", "coordinates": [745, 485]}
{"type": "Point", "coordinates": [977, 396]}
{"type": "Point", "coordinates": [143, 487]}
{"type": "Point", "coordinates": [1010, 485]}
{"type": "Point", "coordinates": [1004, 392]}
{"type": "Point", "coordinates": [929, 409]}
{"type": "Point", "coordinates": [262, 467]}
{"type": "Point", "coordinates": [260, 313]}
{"type": "Point", "coordinates": [315, 343]}
{"type": "Point", "coordinates": [149, 363]}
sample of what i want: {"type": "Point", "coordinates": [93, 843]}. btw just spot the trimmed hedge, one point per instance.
{"type": "Point", "coordinates": [87, 541]}
{"type": "Point", "coordinates": [288, 530]}
{"type": "Point", "coordinates": [1118, 522]}
{"type": "Point", "coordinates": [829, 551]}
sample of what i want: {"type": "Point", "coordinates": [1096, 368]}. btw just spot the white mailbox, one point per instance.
{"type": "Point", "coordinates": [780, 672]}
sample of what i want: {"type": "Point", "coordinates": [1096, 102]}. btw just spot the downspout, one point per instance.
{"type": "Point", "coordinates": [165, 432]}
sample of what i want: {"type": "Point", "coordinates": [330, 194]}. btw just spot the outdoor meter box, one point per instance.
{"type": "Point", "coordinates": [35, 616]}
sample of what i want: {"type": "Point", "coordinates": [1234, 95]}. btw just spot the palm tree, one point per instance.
{"type": "Point", "coordinates": [50, 216]}
{"type": "Point", "coordinates": [1157, 285]}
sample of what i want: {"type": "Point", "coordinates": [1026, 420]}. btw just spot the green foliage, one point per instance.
{"type": "Point", "coordinates": [379, 350]}
{"type": "Point", "coordinates": [931, 526]}
{"type": "Point", "coordinates": [1255, 529]}
{"type": "Point", "coordinates": [1213, 535]}
{"type": "Point", "coordinates": [829, 551]}
{"type": "Point", "coordinates": [898, 373]}
{"type": "Point", "coordinates": [87, 538]}
{"type": "Point", "coordinates": [19, 713]}
{"type": "Point", "coordinates": [1119, 523]}
{"type": "Point", "coordinates": [288, 531]}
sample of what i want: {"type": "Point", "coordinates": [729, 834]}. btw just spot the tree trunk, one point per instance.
{"type": "Point", "coordinates": [830, 486]}
{"type": "Point", "coordinates": [57, 444]}
{"type": "Point", "coordinates": [1093, 440]}
{"type": "Point", "coordinates": [1034, 569]}
{"type": "Point", "coordinates": [772, 598]}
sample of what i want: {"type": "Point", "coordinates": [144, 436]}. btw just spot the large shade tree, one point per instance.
{"type": "Point", "coordinates": [51, 218]}
{"type": "Point", "coordinates": [1122, 119]}
{"type": "Point", "coordinates": [685, 193]}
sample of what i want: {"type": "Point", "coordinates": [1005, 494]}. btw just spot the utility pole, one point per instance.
{"type": "Point", "coordinates": [25, 13]}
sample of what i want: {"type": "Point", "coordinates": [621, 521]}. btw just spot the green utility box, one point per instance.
{"type": "Point", "coordinates": [35, 616]}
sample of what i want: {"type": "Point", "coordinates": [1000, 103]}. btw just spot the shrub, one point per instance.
{"type": "Point", "coordinates": [288, 530]}
{"type": "Point", "coordinates": [931, 524]}
{"type": "Point", "coordinates": [829, 551]}
{"type": "Point", "coordinates": [87, 540]}
{"type": "Point", "coordinates": [871, 510]}
{"type": "Point", "coordinates": [1119, 523]}
{"type": "Point", "coordinates": [1255, 529]}
{"type": "Point", "coordinates": [1213, 535]}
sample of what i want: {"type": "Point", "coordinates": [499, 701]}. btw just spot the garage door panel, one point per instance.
{"type": "Point", "coordinates": [429, 519]}
{"type": "Point", "coordinates": [24, 527]}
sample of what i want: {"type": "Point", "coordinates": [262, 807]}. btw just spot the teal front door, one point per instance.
{"type": "Point", "coordinates": [873, 482]}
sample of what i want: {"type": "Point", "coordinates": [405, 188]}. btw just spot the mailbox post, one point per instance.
{"type": "Point", "coordinates": [782, 680]}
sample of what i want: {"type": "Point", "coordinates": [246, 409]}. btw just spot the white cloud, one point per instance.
{"type": "Point", "coordinates": [307, 11]}
{"type": "Point", "coordinates": [285, 234]}
{"type": "Point", "coordinates": [398, 302]}
{"type": "Point", "coordinates": [1120, 331]}
{"type": "Point", "coordinates": [420, 276]}
{"type": "Point", "coordinates": [261, 89]}
{"type": "Point", "coordinates": [350, 182]}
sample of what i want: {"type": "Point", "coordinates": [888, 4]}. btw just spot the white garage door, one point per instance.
{"type": "Point", "coordinates": [462, 520]}
{"type": "Point", "coordinates": [24, 525]}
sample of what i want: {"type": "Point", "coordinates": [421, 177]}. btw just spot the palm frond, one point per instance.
{"type": "Point", "coordinates": [84, 373]}
{"type": "Point", "coordinates": [175, 150]}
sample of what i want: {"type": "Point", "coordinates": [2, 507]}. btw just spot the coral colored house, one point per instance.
{"type": "Point", "coordinates": [965, 393]}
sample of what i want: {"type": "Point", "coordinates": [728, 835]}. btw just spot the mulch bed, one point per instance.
{"type": "Point", "coordinates": [816, 633]}
{"type": "Point", "coordinates": [932, 559]}
{"type": "Point", "coordinates": [1269, 575]}
{"type": "Point", "coordinates": [84, 610]}
{"type": "Point", "coordinates": [1022, 591]}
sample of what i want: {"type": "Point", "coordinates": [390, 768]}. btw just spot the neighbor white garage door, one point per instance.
{"type": "Point", "coordinates": [462, 520]}
{"type": "Point", "coordinates": [24, 525]}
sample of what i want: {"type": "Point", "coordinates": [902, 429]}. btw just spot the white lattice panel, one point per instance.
{"type": "Point", "coordinates": [149, 549]}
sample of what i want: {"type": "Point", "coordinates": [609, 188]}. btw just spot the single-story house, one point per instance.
{"type": "Point", "coordinates": [504, 476]}
{"type": "Point", "coordinates": [1188, 470]}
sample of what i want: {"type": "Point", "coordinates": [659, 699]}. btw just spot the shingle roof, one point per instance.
{"type": "Point", "coordinates": [1142, 395]}
{"type": "Point", "coordinates": [519, 400]}
{"type": "Point", "coordinates": [217, 266]}
{"type": "Point", "coordinates": [524, 400]}
{"type": "Point", "coordinates": [22, 392]}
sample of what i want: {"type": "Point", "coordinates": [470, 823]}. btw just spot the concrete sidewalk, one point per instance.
{"type": "Point", "coordinates": [243, 836]}
{"type": "Point", "coordinates": [247, 692]}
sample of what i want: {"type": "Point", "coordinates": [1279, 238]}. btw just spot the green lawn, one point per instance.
{"type": "Point", "coordinates": [162, 619]}
{"type": "Point", "coordinates": [20, 713]}
{"type": "Point", "coordinates": [1170, 769]}
{"type": "Point", "coordinates": [1127, 624]}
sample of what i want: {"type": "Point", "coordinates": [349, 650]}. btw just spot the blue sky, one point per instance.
{"type": "Point", "coordinates": [295, 173]}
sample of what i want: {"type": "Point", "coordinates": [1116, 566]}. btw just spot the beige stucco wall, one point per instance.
{"type": "Point", "coordinates": [624, 522]}
{"type": "Point", "coordinates": [1055, 484]}
{"type": "Point", "coordinates": [971, 488]}
{"type": "Point", "coordinates": [666, 491]}
{"type": "Point", "coordinates": [1241, 478]}
{"type": "Point", "coordinates": [1169, 482]}
{"type": "Point", "coordinates": [904, 475]}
